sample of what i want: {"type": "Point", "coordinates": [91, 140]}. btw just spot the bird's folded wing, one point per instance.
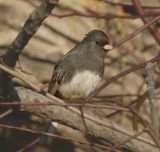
{"type": "Point", "coordinates": [57, 79]}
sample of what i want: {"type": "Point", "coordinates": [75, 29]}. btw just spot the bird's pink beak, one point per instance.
{"type": "Point", "coordinates": [108, 47]}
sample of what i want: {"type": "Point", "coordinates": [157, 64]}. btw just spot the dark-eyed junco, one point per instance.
{"type": "Point", "coordinates": [80, 70]}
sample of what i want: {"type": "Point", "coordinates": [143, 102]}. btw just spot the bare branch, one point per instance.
{"type": "Point", "coordinates": [123, 73]}
{"type": "Point", "coordinates": [30, 27]}
{"type": "Point", "coordinates": [137, 31]}
{"type": "Point", "coordinates": [153, 30]}
{"type": "Point", "coordinates": [100, 128]}
{"type": "Point", "coordinates": [154, 135]}
{"type": "Point", "coordinates": [29, 145]}
{"type": "Point", "coordinates": [152, 96]}
{"type": "Point", "coordinates": [129, 5]}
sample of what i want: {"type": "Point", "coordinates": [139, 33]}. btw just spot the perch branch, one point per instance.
{"type": "Point", "coordinates": [103, 128]}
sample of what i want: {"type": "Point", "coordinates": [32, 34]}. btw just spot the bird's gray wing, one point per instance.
{"type": "Point", "coordinates": [57, 79]}
{"type": "Point", "coordinates": [60, 74]}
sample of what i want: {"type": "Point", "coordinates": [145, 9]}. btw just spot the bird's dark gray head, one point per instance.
{"type": "Point", "coordinates": [98, 39]}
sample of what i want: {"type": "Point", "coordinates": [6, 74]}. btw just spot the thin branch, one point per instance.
{"type": "Point", "coordinates": [6, 113]}
{"type": "Point", "coordinates": [148, 128]}
{"type": "Point", "coordinates": [65, 105]}
{"type": "Point", "coordinates": [93, 14]}
{"type": "Point", "coordinates": [152, 96]}
{"type": "Point", "coordinates": [134, 68]}
{"type": "Point", "coordinates": [108, 16]}
{"type": "Point", "coordinates": [137, 31]}
{"type": "Point", "coordinates": [126, 140]}
{"type": "Point", "coordinates": [138, 103]}
{"type": "Point", "coordinates": [153, 30]}
{"type": "Point", "coordinates": [129, 4]}
{"type": "Point", "coordinates": [26, 147]}
{"type": "Point", "coordinates": [118, 76]}
{"type": "Point", "coordinates": [50, 135]}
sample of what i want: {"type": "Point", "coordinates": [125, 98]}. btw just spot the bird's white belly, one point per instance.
{"type": "Point", "coordinates": [80, 85]}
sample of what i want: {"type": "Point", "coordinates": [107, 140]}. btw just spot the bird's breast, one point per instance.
{"type": "Point", "coordinates": [81, 84]}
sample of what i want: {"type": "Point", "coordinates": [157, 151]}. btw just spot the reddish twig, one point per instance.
{"type": "Point", "coordinates": [153, 30]}
{"type": "Point", "coordinates": [129, 4]}
{"type": "Point", "coordinates": [54, 114]}
{"type": "Point", "coordinates": [64, 105]}
{"type": "Point", "coordinates": [148, 128]}
{"type": "Point", "coordinates": [26, 147]}
{"type": "Point", "coordinates": [134, 68]}
{"type": "Point", "coordinates": [133, 34]}
{"type": "Point", "coordinates": [51, 135]}
{"type": "Point", "coordinates": [108, 16]}
{"type": "Point", "coordinates": [127, 140]}
{"type": "Point", "coordinates": [116, 77]}
{"type": "Point", "coordinates": [99, 16]}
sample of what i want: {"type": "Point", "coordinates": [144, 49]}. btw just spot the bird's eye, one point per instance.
{"type": "Point", "coordinates": [97, 42]}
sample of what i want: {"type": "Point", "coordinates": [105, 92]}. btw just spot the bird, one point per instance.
{"type": "Point", "coordinates": [79, 71]}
